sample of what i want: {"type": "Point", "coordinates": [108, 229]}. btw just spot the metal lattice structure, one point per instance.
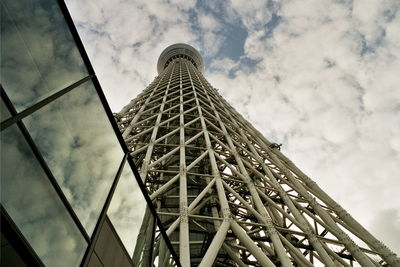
{"type": "Point", "coordinates": [225, 194]}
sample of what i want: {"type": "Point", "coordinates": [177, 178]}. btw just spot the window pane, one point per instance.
{"type": "Point", "coordinates": [38, 53]}
{"type": "Point", "coordinates": [5, 114]}
{"type": "Point", "coordinates": [80, 147]}
{"type": "Point", "coordinates": [34, 206]}
{"type": "Point", "coordinates": [127, 209]}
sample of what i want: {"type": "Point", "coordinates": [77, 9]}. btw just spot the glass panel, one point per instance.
{"type": "Point", "coordinates": [38, 53]}
{"type": "Point", "coordinates": [134, 223]}
{"type": "Point", "coordinates": [5, 114]}
{"type": "Point", "coordinates": [127, 209]}
{"type": "Point", "coordinates": [34, 206]}
{"type": "Point", "coordinates": [80, 147]}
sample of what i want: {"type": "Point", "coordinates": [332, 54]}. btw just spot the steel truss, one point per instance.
{"type": "Point", "coordinates": [225, 194]}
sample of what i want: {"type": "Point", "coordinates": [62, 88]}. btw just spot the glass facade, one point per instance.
{"type": "Point", "coordinates": [69, 190]}
{"type": "Point", "coordinates": [127, 209]}
{"type": "Point", "coordinates": [31, 201]}
{"type": "Point", "coordinates": [82, 153]}
{"type": "Point", "coordinates": [39, 55]}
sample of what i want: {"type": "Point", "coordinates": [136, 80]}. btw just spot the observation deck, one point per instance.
{"type": "Point", "coordinates": [183, 50]}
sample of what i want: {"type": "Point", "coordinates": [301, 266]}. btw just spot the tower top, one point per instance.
{"type": "Point", "coordinates": [179, 49]}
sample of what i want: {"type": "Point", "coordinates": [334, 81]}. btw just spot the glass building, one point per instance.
{"type": "Point", "coordinates": [65, 170]}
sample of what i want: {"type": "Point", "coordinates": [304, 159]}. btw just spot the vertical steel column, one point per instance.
{"type": "Point", "coordinates": [184, 245]}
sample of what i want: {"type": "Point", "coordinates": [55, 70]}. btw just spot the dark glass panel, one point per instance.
{"type": "Point", "coordinates": [127, 209]}
{"type": "Point", "coordinates": [34, 206]}
{"type": "Point", "coordinates": [10, 255]}
{"type": "Point", "coordinates": [109, 248]}
{"type": "Point", "coordinates": [38, 53]}
{"type": "Point", "coordinates": [76, 139]}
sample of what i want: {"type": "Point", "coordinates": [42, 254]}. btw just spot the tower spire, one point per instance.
{"type": "Point", "coordinates": [226, 195]}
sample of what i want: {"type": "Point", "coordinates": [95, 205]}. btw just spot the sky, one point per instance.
{"type": "Point", "coordinates": [319, 76]}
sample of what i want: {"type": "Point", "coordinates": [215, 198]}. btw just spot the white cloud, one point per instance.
{"type": "Point", "coordinates": [254, 14]}
{"type": "Point", "coordinates": [208, 22]}
{"type": "Point", "coordinates": [225, 65]}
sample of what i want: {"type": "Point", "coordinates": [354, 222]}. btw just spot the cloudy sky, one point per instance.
{"type": "Point", "coordinates": [321, 77]}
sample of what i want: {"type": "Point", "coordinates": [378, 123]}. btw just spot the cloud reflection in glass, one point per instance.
{"type": "Point", "coordinates": [33, 204]}
{"type": "Point", "coordinates": [127, 209]}
{"type": "Point", "coordinates": [39, 55]}
{"type": "Point", "coordinates": [4, 112]}
{"type": "Point", "coordinates": [79, 145]}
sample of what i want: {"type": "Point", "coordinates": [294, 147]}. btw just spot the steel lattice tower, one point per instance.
{"type": "Point", "coordinates": [225, 194]}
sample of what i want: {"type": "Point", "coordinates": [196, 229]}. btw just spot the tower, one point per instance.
{"type": "Point", "coordinates": [226, 195]}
